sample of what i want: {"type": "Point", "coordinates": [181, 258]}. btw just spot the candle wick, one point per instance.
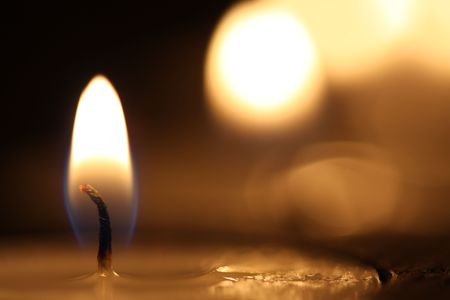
{"type": "Point", "coordinates": [104, 241]}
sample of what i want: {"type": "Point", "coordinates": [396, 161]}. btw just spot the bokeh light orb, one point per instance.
{"type": "Point", "coordinates": [262, 68]}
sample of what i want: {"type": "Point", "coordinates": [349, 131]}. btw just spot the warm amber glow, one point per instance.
{"type": "Point", "coordinates": [100, 155]}
{"type": "Point", "coordinates": [397, 13]}
{"type": "Point", "coordinates": [356, 38]}
{"type": "Point", "coordinates": [262, 68]}
{"type": "Point", "coordinates": [100, 131]}
{"type": "Point", "coordinates": [333, 188]}
{"type": "Point", "coordinates": [431, 46]}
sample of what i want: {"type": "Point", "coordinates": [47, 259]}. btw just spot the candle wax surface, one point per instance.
{"type": "Point", "coordinates": [179, 271]}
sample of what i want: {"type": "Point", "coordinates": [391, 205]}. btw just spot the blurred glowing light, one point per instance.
{"type": "Point", "coordinates": [356, 38]}
{"type": "Point", "coordinates": [344, 195]}
{"type": "Point", "coordinates": [262, 67]}
{"type": "Point", "coordinates": [397, 13]}
{"type": "Point", "coordinates": [332, 189]}
{"type": "Point", "coordinates": [100, 156]}
{"type": "Point", "coordinates": [431, 43]}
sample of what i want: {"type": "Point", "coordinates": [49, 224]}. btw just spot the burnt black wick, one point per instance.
{"type": "Point", "coordinates": [104, 238]}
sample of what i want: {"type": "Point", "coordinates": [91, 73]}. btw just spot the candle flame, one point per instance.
{"type": "Point", "coordinates": [100, 156]}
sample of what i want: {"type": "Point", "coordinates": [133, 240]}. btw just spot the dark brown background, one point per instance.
{"type": "Point", "coordinates": [192, 173]}
{"type": "Point", "coordinates": [153, 54]}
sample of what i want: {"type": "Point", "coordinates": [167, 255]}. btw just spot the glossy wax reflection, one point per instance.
{"type": "Point", "coordinates": [100, 157]}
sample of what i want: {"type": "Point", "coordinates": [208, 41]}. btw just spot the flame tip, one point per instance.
{"type": "Point", "coordinates": [99, 76]}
